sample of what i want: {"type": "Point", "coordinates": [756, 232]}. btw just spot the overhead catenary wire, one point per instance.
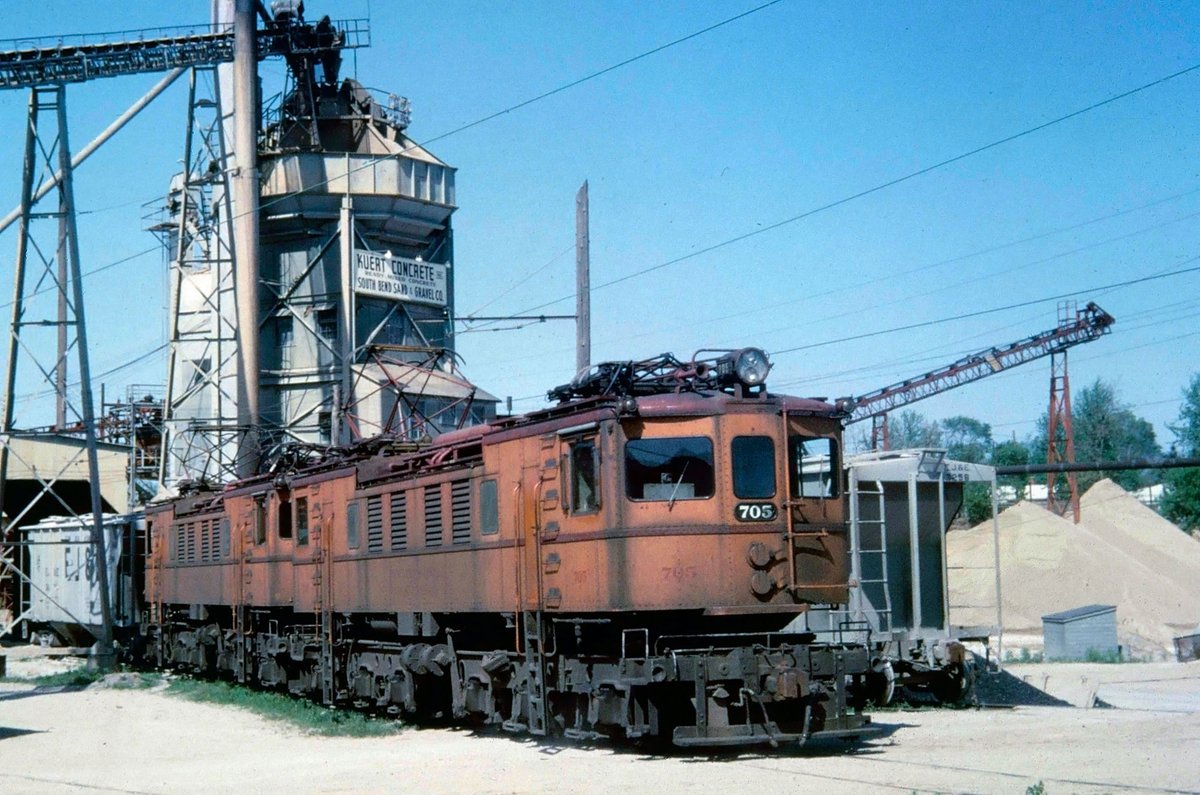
{"type": "Point", "coordinates": [957, 350]}
{"type": "Point", "coordinates": [858, 285]}
{"type": "Point", "coordinates": [414, 146]}
{"type": "Point", "coordinates": [881, 186]}
{"type": "Point", "coordinates": [371, 164]}
{"type": "Point", "coordinates": [92, 272]}
{"type": "Point", "coordinates": [842, 201]}
{"type": "Point", "coordinates": [470, 316]}
{"type": "Point", "coordinates": [762, 230]}
{"type": "Point", "coordinates": [988, 311]}
{"type": "Point", "coordinates": [859, 309]}
{"type": "Point", "coordinates": [141, 357]}
{"type": "Point", "coordinates": [980, 313]}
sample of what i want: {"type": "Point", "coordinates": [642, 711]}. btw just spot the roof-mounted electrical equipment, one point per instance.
{"type": "Point", "coordinates": [742, 372]}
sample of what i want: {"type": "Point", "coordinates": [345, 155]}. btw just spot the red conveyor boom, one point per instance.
{"type": "Point", "coordinates": [1090, 323]}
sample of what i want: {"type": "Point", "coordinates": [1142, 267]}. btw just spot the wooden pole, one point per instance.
{"type": "Point", "coordinates": [583, 295]}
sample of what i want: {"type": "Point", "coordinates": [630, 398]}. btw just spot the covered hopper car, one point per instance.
{"type": "Point", "coordinates": [623, 564]}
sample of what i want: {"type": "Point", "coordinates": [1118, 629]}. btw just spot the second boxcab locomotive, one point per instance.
{"type": "Point", "coordinates": [621, 564]}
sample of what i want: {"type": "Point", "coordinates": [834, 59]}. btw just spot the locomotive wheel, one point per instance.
{"type": "Point", "coordinates": [877, 687]}
{"type": "Point", "coordinates": [955, 685]}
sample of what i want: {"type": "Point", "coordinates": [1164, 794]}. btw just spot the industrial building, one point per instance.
{"type": "Point", "coordinates": [353, 286]}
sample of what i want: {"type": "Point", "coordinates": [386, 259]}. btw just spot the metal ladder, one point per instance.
{"type": "Point", "coordinates": [547, 499]}
{"type": "Point", "coordinates": [535, 665]}
{"type": "Point", "coordinates": [324, 612]}
{"type": "Point", "coordinates": [878, 532]}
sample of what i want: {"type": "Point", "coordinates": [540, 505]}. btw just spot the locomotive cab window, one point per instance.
{"type": "Point", "coordinates": [260, 519]}
{"type": "Point", "coordinates": [489, 508]}
{"type": "Point", "coordinates": [814, 466]}
{"type": "Point", "coordinates": [584, 476]}
{"type": "Point", "coordinates": [301, 521]}
{"type": "Point", "coordinates": [753, 467]}
{"type": "Point", "coordinates": [352, 538]}
{"type": "Point", "coordinates": [284, 519]}
{"type": "Point", "coordinates": [670, 469]}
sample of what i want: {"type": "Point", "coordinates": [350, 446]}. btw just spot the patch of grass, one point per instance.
{"type": "Point", "coordinates": [304, 714]}
{"type": "Point", "coordinates": [1024, 657]}
{"type": "Point", "coordinates": [136, 680]}
{"type": "Point", "coordinates": [124, 679]}
{"type": "Point", "coordinates": [1110, 657]}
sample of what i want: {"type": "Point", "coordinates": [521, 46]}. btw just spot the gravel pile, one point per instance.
{"type": "Point", "coordinates": [1002, 689]}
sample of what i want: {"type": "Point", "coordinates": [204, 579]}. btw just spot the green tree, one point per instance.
{"type": "Point", "coordinates": [1011, 453]}
{"type": "Point", "coordinates": [1181, 500]}
{"type": "Point", "coordinates": [1105, 430]}
{"type": "Point", "coordinates": [977, 502]}
{"type": "Point", "coordinates": [967, 439]}
{"type": "Point", "coordinates": [1187, 430]}
{"type": "Point", "coordinates": [912, 429]}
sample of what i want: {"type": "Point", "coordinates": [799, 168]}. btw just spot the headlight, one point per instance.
{"type": "Point", "coordinates": [752, 366]}
{"type": "Point", "coordinates": [748, 366]}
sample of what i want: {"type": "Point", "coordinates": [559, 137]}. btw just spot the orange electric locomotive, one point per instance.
{"type": "Point", "coordinates": [623, 564]}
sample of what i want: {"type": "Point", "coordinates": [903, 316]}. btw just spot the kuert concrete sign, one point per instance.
{"type": "Point", "coordinates": [399, 278]}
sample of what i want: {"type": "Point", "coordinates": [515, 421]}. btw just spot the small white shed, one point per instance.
{"type": "Point", "coordinates": [1072, 634]}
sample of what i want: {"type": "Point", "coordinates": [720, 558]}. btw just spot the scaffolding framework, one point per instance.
{"type": "Point", "coordinates": [136, 424]}
{"type": "Point", "coordinates": [202, 259]}
{"type": "Point", "coordinates": [202, 359]}
{"type": "Point", "coordinates": [47, 267]}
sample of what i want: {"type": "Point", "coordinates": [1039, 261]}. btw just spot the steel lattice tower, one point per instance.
{"type": "Point", "coordinates": [48, 294]}
{"type": "Point", "coordinates": [1060, 436]}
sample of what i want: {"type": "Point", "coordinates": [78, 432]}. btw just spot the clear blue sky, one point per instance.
{"type": "Point", "coordinates": [785, 110]}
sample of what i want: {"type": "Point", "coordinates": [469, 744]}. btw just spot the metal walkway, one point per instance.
{"type": "Point", "coordinates": [74, 59]}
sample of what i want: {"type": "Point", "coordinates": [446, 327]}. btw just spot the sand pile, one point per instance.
{"type": "Point", "coordinates": [1119, 518]}
{"type": "Point", "coordinates": [1122, 553]}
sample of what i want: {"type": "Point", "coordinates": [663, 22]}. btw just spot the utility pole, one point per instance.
{"type": "Point", "coordinates": [583, 288]}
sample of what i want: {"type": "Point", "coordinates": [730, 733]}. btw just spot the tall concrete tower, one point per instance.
{"type": "Point", "coordinates": [354, 299]}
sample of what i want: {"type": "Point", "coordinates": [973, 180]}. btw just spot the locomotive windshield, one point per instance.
{"type": "Point", "coordinates": [814, 467]}
{"type": "Point", "coordinates": [677, 468]}
{"type": "Point", "coordinates": [753, 467]}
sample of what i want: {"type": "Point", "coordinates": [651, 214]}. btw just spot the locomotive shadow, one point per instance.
{"type": "Point", "coordinates": [8, 732]}
{"type": "Point", "coordinates": [40, 690]}
{"type": "Point", "coordinates": [872, 743]}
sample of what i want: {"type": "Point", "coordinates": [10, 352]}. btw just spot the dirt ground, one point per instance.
{"type": "Point", "coordinates": [145, 741]}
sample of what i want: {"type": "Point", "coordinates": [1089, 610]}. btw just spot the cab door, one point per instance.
{"type": "Point", "coordinates": [818, 535]}
{"type": "Point", "coordinates": [530, 491]}
{"type": "Point", "coordinates": [306, 535]}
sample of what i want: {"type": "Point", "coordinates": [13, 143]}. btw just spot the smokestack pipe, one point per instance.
{"type": "Point", "coordinates": [245, 230]}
